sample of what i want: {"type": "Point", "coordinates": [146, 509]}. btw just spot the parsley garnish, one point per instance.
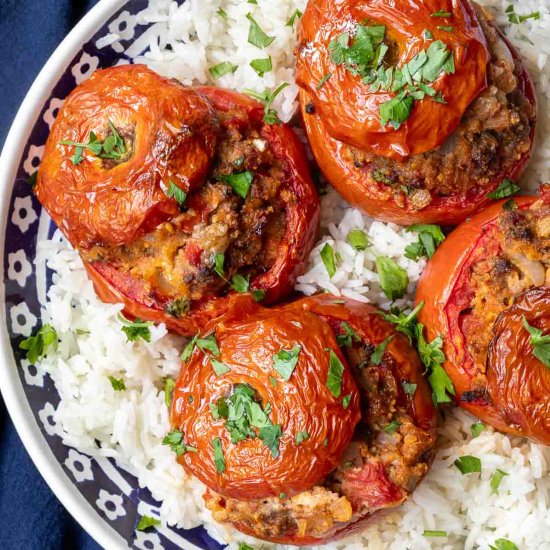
{"type": "Point", "coordinates": [222, 13]}
{"type": "Point", "coordinates": [496, 479]}
{"type": "Point", "coordinates": [209, 344]}
{"type": "Point", "coordinates": [348, 337]}
{"type": "Point", "coordinates": [219, 367]}
{"type": "Point", "coordinates": [146, 522]}
{"type": "Point", "coordinates": [445, 28]}
{"type": "Point", "coordinates": [175, 440]}
{"type": "Point", "coordinates": [346, 401]}
{"type": "Point", "coordinates": [296, 15]}
{"type": "Point", "coordinates": [271, 435]}
{"type": "Point", "coordinates": [323, 80]}
{"type": "Point", "coordinates": [476, 428]}
{"type": "Point", "coordinates": [441, 13]}
{"type": "Point", "coordinates": [393, 278]}
{"type": "Point", "coordinates": [258, 294]}
{"type": "Point", "coordinates": [429, 238]}
{"type": "Point", "coordinates": [217, 71]}
{"type": "Point", "coordinates": [188, 350]}
{"type": "Point", "coordinates": [435, 533]}
{"type": "Point", "coordinates": [468, 464]}
{"type": "Point", "coordinates": [503, 544]}
{"type": "Point", "coordinates": [409, 388]}
{"type": "Point", "coordinates": [135, 330]}
{"type": "Point", "coordinates": [284, 362]}
{"type": "Point", "coordinates": [379, 350]}
{"type": "Point", "coordinates": [37, 346]}
{"type": "Point", "coordinates": [328, 257]}
{"type": "Point", "coordinates": [243, 546]}
{"type": "Point", "coordinates": [358, 239]}
{"type": "Point", "coordinates": [392, 427]}
{"type": "Point", "coordinates": [301, 436]}
{"type": "Point", "coordinates": [516, 19]}
{"type": "Point", "coordinates": [117, 383]}
{"type": "Point", "coordinates": [506, 189]}
{"type": "Point", "coordinates": [262, 66]}
{"type": "Point", "coordinates": [219, 459]}
{"type": "Point", "coordinates": [219, 260]}
{"type": "Point", "coordinates": [256, 36]}
{"type": "Point", "coordinates": [239, 283]}
{"type": "Point", "coordinates": [178, 308]}
{"type": "Point", "coordinates": [273, 381]}
{"type": "Point", "coordinates": [240, 182]}
{"type": "Point", "coordinates": [540, 343]}
{"type": "Point", "coordinates": [335, 374]}
{"type": "Point", "coordinates": [33, 179]}
{"type": "Point", "coordinates": [404, 322]}
{"type": "Point", "coordinates": [267, 98]}
{"type": "Point", "coordinates": [169, 386]}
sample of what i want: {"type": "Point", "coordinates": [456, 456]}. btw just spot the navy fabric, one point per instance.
{"type": "Point", "coordinates": [30, 515]}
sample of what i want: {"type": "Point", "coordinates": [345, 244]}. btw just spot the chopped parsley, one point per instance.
{"type": "Point", "coordinates": [221, 69]}
{"type": "Point", "coordinates": [392, 427]}
{"type": "Point", "coordinates": [496, 479]}
{"type": "Point", "coordinates": [503, 544]}
{"type": "Point", "coordinates": [540, 343]}
{"type": "Point", "coordinates": [244, 546]}
{"type": "Point", "coordinates": [285, 361]}
{"type": "Point", "coordinates": [445, 28]}
{"type": "Point", "coordinates": [175, 440]}
{"type": "Point", "coordinates": [468, 464]}
{"type": "Point", "coordinates": [404, 322]}
{"type": "Point", "coordinates": [435, 533]}
{"type": "Point", "coordinates": [349, 336]}
{"type": "Point", "coordinates": [219, 459]}
{"type": "Point", "coordinates": [240, 182]}
{"type": "Point", "coordinates": [346, 401]}
{"type": "Point", "coordinates": [135, 330]}
{"type": "Point", "coordinates": [441, 13]}
{"type": "Point", "coordinates": [219, 260]}
{"type": "Point", "coordinates": [169, 386]}
{"type": "Point", "coordinates": [188, 350]}
{"type": "Point", "coordinates": [209, 344]}
{"type": "Point", "coordinates": [510, 204]}
{"type": "Point", "coordinates": [262, 66]}
{"type": "Point", "coordinates": [271, 435]}
{"type": "Point", "coordinates": [358, 239]}
{"type": "Point", "coordinates": [335, 374]}
{"type": "Point", "coordinates": [379, 350]}
{"type": "Point", "coordinates": [427, 34]}
{"type": "Point", "coordinates": [178, 308]}
{"type": "Point", "coordinates": [409, 388]}
{"type": "Point", "coordinates": [429, 238]}
{"type": "Point", "coordinates": [37, 346]}
{"type": "Point", "coordinates": [296, 15]}
{"type": "Point", "coordinates": [240, 283]}
{"type": "Point", "coordinates": [323, 80]}
{"type": "Point", "coordinates": [256, 36]}
{"type": "Point", "coordinates": [506, 189]}
{"type": "Point", "coordinates": [273, 381]}
{"type": "Point", "coordinates": [117, 383]}
{"type": "Point", "coordinates": [329, 259]}
{"type": "Point", "coordinates": [146, 522]}
{"type": "Point", "coordinates": [266, 98]}
{"type": "Point", "coordinates": [393, 278]}
{"type": "Point", "coordinates": [258, 294]}
{"type": "Point", "coordinates": [219, 367]}
{"type": "Point", "coordinates": [301, 437]}
{"type": "Point", "coordinates": [33, 178]}
{"type": "Point", "coordinates": [476, 428]}
{"type": "Point", "coordinates": [517, 19]}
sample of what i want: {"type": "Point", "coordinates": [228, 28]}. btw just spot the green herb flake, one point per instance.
{"type": "Point", "coordinates": [188, 350]}
{"type": "Point", "coordinates": [219, 260]}
{"type": "Point", "coordinates": [509, 205]}
{"type": "Point", "coordinates": [506, 189]}
{"type": "Point", "coordinates": [517, 19]}
{"type": "Point", "coordinates": [396, 110]}
{"type": "Point", "coordinates": [328, 257]}
{"type": "Point", "coordinates": [468, 464]}
{"type": "Point", "coordinates": [441, 13]}
{"type": "Point", "coordinates": [169, 386]}
{"type": "Point", "coordinates": [221, 69]}
{"type": "Point", "coordinates": [404, 322]}
{"type": "Point", "coordinates": [476, 428]}
{"type": "Point", "coordinates": [240, 182]}
{"type": "Point", "coordinates": [273, 381]}
{"type": "Point", "coordinates": [409, 389]}
{"type": "Point", "coordinates": [209, 344]}
{"type": "Point", "coordinates": [429, 238]}
{"type": "Point", "coordinates": [117, 383]}
{"type": "Point", "coordinates": [262, 66]}
{"type": "Point", "coordinates": [392, 427]}
{"type": "Point", "coordinates": [239, 283]}
{"type": "Point", "coordinates": [33, 179]}
{"type": "Point", "coordinates": [379, 350]}
{"type": "Point", "coordinates": [178, 308]}
{"type": "Point", "coordinates": [256, 36]}
{"type": "Point", "coordinates": [346, 401]}
{"type": "Point", "coordinates": [38, 346]}
{"type": "Point", "coordinates": [335, 374]}
{"type": "Point", "coordinates": [219, 459]}
{"type": "Point", "coordinates": [222, 13]}
{"type": "Point", "coordinates": [325, 442]}
{"type": "Point", "coordinates": [358, 239]}
{"type": "Point", "coordinates": [496, 479]}
{"type": "Point", "coordinates": [135, 330]}
{"type": "Point", "coordinates": [146, 522]}
{"type": "Point", "coordinates": [285, 361]}
{"type": "Point", "coordinates": [427, 34]}
{"type": "Point", "coordinates": [243, 546]}
{"type": "Point", "coordinates": [503, 544]}
{"type": "Point", "coordinates": [271, 435]}
{"type": "Point", "coordinates": [445, 28]}
{"type": "Point", "coordinates": [323, 80]}
{"type": "Point", "coordinates": [540, 343]}
{"type": "Point", "coordinates": [301, 437]}
{"type": "Point", "coordinates": [219, 368]}
{"type": "Point", "coordinates": [296, 15]}
{"type": "Point", "coordinates": [349, 336]}
{"type": "Point", "coordinates": [393, 278]}
{"type": "Point", "coordinates": [175, 440]}
{"type": "Point", "coordinates": [434, 533]}
{"type": "Point", "coordinates": [258, 294]}
{"type": "Point", "coordinates": [266, 98]}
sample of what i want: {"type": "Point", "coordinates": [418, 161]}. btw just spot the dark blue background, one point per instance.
{"type": "Point", "coordinates": [30, 515]}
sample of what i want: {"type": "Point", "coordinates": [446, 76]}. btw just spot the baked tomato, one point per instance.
{"type": "Point", "coordinates": [425, 151]}
{"type": "Point", "coordinates": [484, 282]}
{"type": "Point", "coordinates": [304, 419]}
{"type": "Point", "coordinates": [247, 224]}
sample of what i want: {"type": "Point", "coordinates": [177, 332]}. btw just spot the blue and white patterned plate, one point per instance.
{"type": "Point", "coordinates": [106, 500]}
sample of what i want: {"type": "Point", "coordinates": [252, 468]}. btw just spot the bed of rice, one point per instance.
{"type": "Point", "coordinates": [182, 42]}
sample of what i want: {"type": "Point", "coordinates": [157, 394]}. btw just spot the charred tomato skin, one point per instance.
{"type": "Point", "coordinates": [302, 224]}
{"type": "Point", "coordinates": [440, 290]}
{"type": "Point", "coordinates": [371, 197]}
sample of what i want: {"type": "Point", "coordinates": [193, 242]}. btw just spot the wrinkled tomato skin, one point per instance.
{"type": "Point", "coordinates": [439, 289]}
{"type": "Point", "coordinates": [350, 111]}
{"type": "Point", "coordinates": [248, 338]}
{"type": "Point", "coordinates": [353, 185]}
{"type": "Point", "coordinates": [367, 322]}
{"type": "Point", "coordinates": [170, 133]}
{"type": "Point", "coordinates": [302, 225]}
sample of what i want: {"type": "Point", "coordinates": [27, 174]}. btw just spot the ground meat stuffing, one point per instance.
{"type": "Point", "coordinates": [178, 259]}
{"type": "Point", "coordinates": [387, 457]}
{"type": "Point", "coordinates": [493, 135]}
{"type": "Point", "coordinates": [514, 255]}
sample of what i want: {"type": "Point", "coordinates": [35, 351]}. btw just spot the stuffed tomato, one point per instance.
{"type": "Point", "coordinates": [486, 291]}
{"type": "Point", "coordinates": [194, 201]}
{"type": "Point", "coordinates": [303, 420]}
{"type": "Point", "coordinates": [415, 111]}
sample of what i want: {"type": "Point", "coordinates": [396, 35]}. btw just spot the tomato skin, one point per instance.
{"type": "Point", "coordinates": [170, 133]}
{"type": "Point", "coordinates": [439, 288]}
{"type": "Point", "coordinates": [302, 220]}
{"type": "Point", "coordinates": [373, 198]}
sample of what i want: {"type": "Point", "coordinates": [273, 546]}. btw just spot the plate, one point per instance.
{"type": "Point", "coordinates": [104, 499]}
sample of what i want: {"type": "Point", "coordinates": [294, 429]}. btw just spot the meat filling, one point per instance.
{"type": "Point", "coordinates": [218, 233]}
{"type": "Point", "coordinates": [493, 135]}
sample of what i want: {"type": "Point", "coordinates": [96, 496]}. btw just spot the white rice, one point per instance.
{"type": "Point", "coordinates": [182, 42]}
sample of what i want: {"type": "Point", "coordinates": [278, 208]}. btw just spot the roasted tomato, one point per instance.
{"type": "Point", "coordinates": [139, 133]}
{"type": "Point", "coordinates": [488, 274]}
{"type": "Point", "coordinates": [249, 225]}
{"type": "Point", "coordinates": [446, 146]}
{"type": "Point", "coordinates": [329, 434]}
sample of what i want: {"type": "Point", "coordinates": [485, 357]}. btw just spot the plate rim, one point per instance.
{"type": "Point", "coordinates": [11, 386]}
